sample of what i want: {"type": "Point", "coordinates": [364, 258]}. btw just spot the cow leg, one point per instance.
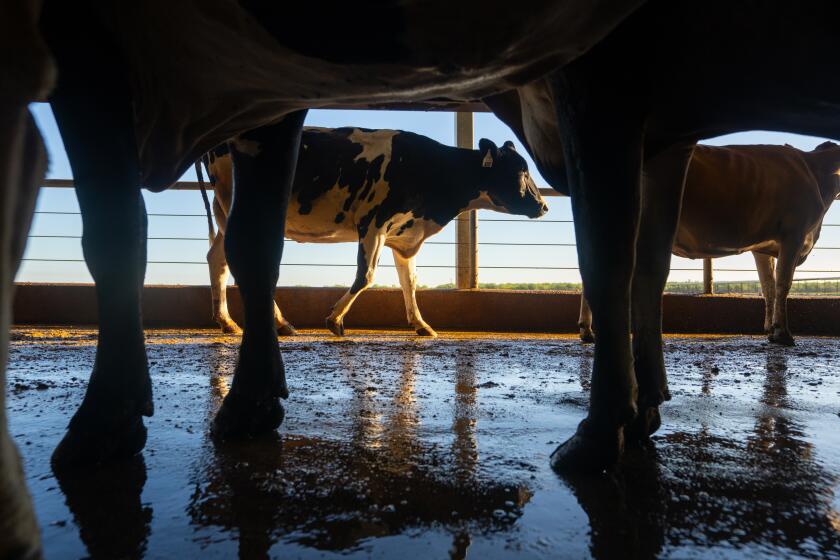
{"type": "Point", "coordinates": [27, 73]}
{"type": "Point", "coordinates": [764, 265]}
{"type": "Point", "coordinates": [218, 285]}
{"type": "Point", "coordinates": [368, 257]}
{"type": "Point", "coordinates": [607, 150]}
{"type": "Point", "coordinates": [408, 283]}
{"type": "Point", "coordinates": [284, 328]}
{"type": "Point", "coordinates": [94, 111]}
{"type": "Point", "coordinates": [219, 272]}
{"type": "Point", "coordinates": [662, 189]}
{"type": "Point", "coordinates": [585, 320]}
{"type": "Point", "coordinates": [264, 163]}
{"type": "Point", "coordinates": [23, 163]}
{"type": "Point", "coordinates": [788, 256]}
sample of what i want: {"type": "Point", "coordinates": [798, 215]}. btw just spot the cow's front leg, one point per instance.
{"type": "Point", "coordinates": [94, 112]}
{"type": "Point", "coordinates": [788, 255]}
{"type": "Point", "coordinates": [370, 245]}
{"type": "Point", "coordinates": [606, 151]}
{"type": "Point", "coordinates": [764, 265]}
{"type": "Point", "coordinates": [662, 188]}
{"type": "Point", "coordinates": [585, 320]}
{"type": "Point", "coordinates": [408, 283]}
{"type": "Point", "coordinates": [264, 163]}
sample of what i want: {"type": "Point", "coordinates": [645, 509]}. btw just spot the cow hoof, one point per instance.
{"type": "Point", "coordinates": [784, 338]}
{"type": "Point", "coordinates": [425, 331]}
{"type": "Point", "coordinates": [588, 451]}
{"type": "Point", "coordinates": [286, 329]}
{"type": "Point", "coordinates": [646, 423]}
{"type": "Point", "coordinates": [587, 336]}
{"type": "Point", "coordinates": [245, 418]}
{"type": "Point", "coordinates": [231, 328]}
{"type": "Point", "coordinates": [336, 327]}
{"type": "Point", "coordinates": [80, 447]}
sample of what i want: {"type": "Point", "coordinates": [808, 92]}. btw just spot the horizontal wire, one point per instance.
{"type": "Point", "coordinates": [327, 265]}
{"type": "Point", "coordinates": [489, 243]}
{"type": "Point", "coordinates": [39, 236]}
{"type": "Point", "coordinates": [160, 215]}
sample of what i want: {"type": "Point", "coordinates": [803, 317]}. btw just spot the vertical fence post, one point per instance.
{"type": "Point", "coordinates": [466, 235]}
{"type": "Point", "coordinates": [708, 277]}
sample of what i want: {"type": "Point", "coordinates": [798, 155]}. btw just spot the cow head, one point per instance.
{"type": "Point", "coordinates": [506, 183]}
{"type": "Point", "coordinates": [824, 162]}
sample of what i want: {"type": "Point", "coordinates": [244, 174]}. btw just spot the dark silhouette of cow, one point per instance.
{"type": "Point", "coordinates": [137, 103]}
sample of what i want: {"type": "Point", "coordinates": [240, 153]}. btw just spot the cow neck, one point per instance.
{"type": "Point", "coordinates": [824, 165]}
{"type": "Point", "coordinates": [463, 178]}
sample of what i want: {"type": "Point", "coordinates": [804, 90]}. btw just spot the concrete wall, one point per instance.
{"type": "Point", "coordinates": [479, 310]}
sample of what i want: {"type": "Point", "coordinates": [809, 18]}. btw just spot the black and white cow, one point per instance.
{"type": "Point", "coordinates": [378, 188]}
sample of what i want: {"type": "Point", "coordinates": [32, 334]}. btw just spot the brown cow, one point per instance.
{"type": "Point", "coordinates": [766, 199]}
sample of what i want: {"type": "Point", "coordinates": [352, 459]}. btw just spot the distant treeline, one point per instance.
{"type": "Point", "coordinates": [822, 287]}
{"type": "Point", "coordinates": [827, 287]}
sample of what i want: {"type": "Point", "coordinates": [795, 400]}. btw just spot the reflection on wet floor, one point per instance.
{"type": "Point", "coordinates": [439, 449]}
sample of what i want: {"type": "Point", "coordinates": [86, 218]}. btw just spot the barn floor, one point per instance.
{"type": "Point", "coordinates": [394, 446]}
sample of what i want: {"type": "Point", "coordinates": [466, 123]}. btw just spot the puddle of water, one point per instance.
{"type": "Point", "coordinates": [439, 449]}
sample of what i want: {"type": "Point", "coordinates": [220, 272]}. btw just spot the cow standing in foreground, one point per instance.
{"type": "Point", "coordinates": [137, 104]}
{"type": "Point", "coordinates": [770, 200]}
{"type": "Point", "coordinates": [626, 116]}
{"type": "Point", "coordinates": [377, 188]}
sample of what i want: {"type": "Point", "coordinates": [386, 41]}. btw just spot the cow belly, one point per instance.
{"type": "Point", "coordinates": [692, 247]}
{"type": "Point", "coordinates": [324, 222]}
{"type": "Point", "coordinates": [314, 231]}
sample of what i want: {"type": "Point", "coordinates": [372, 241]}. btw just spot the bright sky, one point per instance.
{"type": "Point", "coordinates": [299, 257]}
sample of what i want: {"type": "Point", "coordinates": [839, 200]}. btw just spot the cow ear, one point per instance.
{"type": "Point", "coordinates": [509, 145]}
{"type": "Point", "coordinates": [489, 149]}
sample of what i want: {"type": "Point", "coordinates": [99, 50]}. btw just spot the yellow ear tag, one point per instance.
{"type": "Point", "coordinates": [487, 161]}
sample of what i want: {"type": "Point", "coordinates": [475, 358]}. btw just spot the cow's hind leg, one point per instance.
{"type": "Point", "coordinates": [264, 163]}
{"type": "Point", "coordinates": [764, 265]}
{"type": "Point", "coordinates": [284, 328]}
{"type": "Point", "coordinates": [22, 165]}
{"type": "Point", "coordinates": [369, 248]}
{"type": "Point", "coordinates": [607, 149]}
{"type": "Point", "coordinates": [662, 189]}
{"type": "Point", "coordinates": [219, 273]}
{"type": "Point", "coordinates": [408, 283]}
{"type": "Point", "coordinates": [585, 320]}
{"type": "Point", "coordinates": [788, 256]}
{"type": "Point", "coordinates": [94, 111]}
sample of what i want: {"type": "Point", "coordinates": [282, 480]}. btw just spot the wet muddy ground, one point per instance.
{"type": "Point", "coordinates": [398, 447]}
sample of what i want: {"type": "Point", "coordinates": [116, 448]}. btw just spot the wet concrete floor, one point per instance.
{"type": "Point", "coordinates": [396, 447]}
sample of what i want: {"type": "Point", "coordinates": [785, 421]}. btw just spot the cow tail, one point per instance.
{"type": "Point", "coordinates": [202, 187]}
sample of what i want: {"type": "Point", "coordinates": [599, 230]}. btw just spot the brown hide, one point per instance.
{"type": "Point", "coordinates": [753, 198]}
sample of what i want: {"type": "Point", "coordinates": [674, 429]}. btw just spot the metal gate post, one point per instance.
{"type": "Point", "coordinates": [708, 277]}
{"type": "Point", "coordinates": [466, 234]}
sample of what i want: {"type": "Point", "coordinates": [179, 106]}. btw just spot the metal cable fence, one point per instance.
{"type": "Point", "coordinates": [513, 254]}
